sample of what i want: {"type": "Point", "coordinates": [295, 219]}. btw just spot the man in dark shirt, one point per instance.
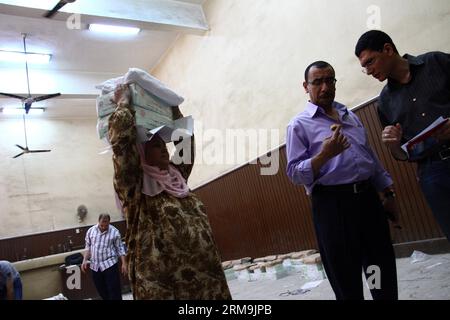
{"type": "Point", "coordinates": [417, 93]}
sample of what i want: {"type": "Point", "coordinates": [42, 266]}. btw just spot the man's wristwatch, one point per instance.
{"type": "Point", "coordinates": [389, 194]}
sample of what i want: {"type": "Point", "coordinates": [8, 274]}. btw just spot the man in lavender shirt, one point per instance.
{"type": "Point", "coordinates": [328, 153]}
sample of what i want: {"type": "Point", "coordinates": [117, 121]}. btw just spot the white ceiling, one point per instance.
{"type": "Point", "coordinates": [81, 58]}
{"type": "Point", "coordinates": [82, 50]}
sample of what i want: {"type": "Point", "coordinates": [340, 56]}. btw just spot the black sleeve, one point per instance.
{"type": "Point", "coordinates": [444, 60]}
{"type": "Point", "coordinates": [380, 107]}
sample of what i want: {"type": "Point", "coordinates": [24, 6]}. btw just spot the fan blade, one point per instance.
{"type": "Point", "coordinates": [20, 147]}
{"type": "Point", "coordinates": [34, 151]}
{"type": "Point", "coordinates": [18, 155]}
{"type": "Point", "coordinates": [27, 106]}
{"type": "Point", "coordinates": [12, 96]}
{"type": "Point", "coordinates": [47, 96]}
{"type": "Point", "coordinates": [58, 6]}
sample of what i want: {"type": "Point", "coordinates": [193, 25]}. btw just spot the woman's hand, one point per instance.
{"type": "Point", "coordinates": [122, 94]}
{"type": "Point", "coordinates": [176, 113]}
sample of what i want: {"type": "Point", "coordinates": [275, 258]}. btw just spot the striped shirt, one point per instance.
{"type": "Point", "coordinates": [105, 247]}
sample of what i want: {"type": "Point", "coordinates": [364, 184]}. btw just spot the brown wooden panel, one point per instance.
{"type": "Point", "coordinates": [269, 215]}
{"type": "Point", "coordinates": [255, 215]}
{"type": "Point", "coordinates": [43, 244]}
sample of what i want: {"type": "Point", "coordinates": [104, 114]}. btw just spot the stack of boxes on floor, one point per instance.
{"type": "Point", "coordinates": [305, 263]}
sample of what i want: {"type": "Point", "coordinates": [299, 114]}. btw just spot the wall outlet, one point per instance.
{"type": "Point", "coordinates": [77, 230]}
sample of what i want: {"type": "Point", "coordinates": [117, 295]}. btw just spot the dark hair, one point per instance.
{"type": "Point", "coordinates": [373, 40]}
{"type": "Point", "coordinates": [319, 65]}
{"type": "Point", "coordinates": [104, 216]}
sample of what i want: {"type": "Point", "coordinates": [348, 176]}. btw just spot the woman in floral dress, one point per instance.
{"type": "Point", "coordinates": [171, 250]}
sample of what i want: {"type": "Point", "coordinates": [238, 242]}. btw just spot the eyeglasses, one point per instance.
{"type": "Point", "coordinates": [369, 64]}
{"type": "Point", "coordinates": [328, 81]}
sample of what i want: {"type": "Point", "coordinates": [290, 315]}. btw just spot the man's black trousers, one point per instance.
{"type": "Point", "coordinates": [107, 283]}
{"type": "Point", "coordinates": [353, 236]}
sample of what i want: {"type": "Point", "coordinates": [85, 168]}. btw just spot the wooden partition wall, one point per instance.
{"type": "Point", "coordinates": [255, 215]}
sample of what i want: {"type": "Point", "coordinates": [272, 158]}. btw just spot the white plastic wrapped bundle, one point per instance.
{"type": "Point", "coordinates": [147, 82]}
{"type": "Point", "coordinates": [144, 117]}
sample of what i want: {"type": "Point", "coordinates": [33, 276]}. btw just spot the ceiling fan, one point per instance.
{"type": "Point", "coordinates": [28, 100]}
{"type": "Point", "coordinates": [58, 6]}
{"type": "Point", "coordinates": [26, 149]}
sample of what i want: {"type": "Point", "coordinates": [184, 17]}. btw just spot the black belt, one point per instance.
{"type": "Point", "coordinates": [442, 154]}
{"type": "Point", "coordinates": [357, 187]}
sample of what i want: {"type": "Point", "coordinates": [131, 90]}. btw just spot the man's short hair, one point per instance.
{"type": "Point", "coordinates": [319, 65]}
{"type": "Point", "coordinates": [373, 40]}
{"type": "Point", "coordinates": [104, 216]}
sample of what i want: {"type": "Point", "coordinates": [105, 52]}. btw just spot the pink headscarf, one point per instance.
{"type": "Point", "coordinates": [156, 180]}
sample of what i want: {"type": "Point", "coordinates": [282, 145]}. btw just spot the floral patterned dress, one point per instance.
{"type": "Point", "coordinates": [171, 250]}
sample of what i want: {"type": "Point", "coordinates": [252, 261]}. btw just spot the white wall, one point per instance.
{"type": "Point", "coordinates": [41, 192]}
{"type": "Point", "coordinates": [247, 71]}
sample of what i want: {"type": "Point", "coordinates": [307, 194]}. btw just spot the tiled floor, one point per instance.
{"type": "Point", "coordinates": [422, 280]}
{"type": "Point", "coordinates": [127, 296]}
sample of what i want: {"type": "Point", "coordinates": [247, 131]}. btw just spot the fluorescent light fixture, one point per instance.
{"type": "Point", "coordinates": [15, 56]}
{"type": "Point", "coordinates": [20, 111]}
{"type": "Point", "coordinates": [113, 29]}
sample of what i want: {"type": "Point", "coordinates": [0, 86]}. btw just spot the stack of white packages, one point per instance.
{"type": "Point", "coordinates": [151, 100]}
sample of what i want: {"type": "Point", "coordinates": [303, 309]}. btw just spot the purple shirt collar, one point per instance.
{"type": "Point", "coordinates": [311, 109]}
